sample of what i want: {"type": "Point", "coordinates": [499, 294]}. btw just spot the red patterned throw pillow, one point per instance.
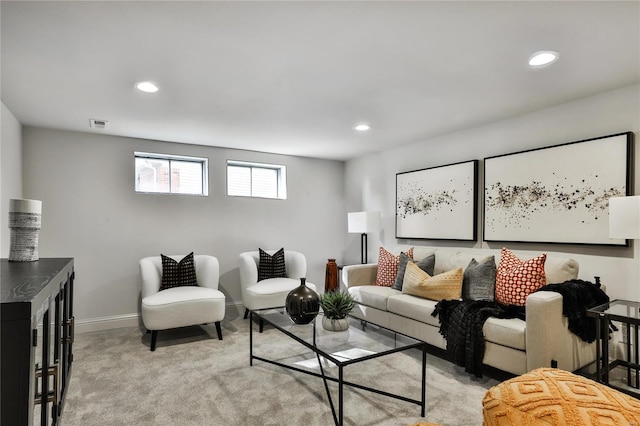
{"type": "Point", "coordinates": [388, 267]}
{"type": "Point", "coordinates": [515, 279]}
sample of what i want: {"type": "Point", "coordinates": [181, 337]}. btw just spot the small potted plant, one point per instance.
{"type": "Point", "coordinates": [336, 306]}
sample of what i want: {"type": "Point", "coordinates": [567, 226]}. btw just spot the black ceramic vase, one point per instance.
{"type": "Point", "coordinates": [303, 304]}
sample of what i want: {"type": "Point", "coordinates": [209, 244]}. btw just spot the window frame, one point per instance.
{"type": "Point", "coordinates": [202, 161]}
{"type": "Point", "coordinates": [281, 178]}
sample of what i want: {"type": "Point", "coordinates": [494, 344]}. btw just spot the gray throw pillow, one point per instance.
{"type": "Point", "coordinates": [402, 266]}
{"type": "Point", "coordinates": [427, 264]}
{"type": "Point", "coordinates": [479, 280]}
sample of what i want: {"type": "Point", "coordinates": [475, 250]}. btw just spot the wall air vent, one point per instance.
{"type": "Point", "coordinates": [98, 124]}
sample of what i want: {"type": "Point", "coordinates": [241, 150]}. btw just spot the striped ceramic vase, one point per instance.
{"type": "Point", "coordinates": [24, 221]}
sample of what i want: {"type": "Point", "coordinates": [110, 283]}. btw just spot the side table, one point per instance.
{"type": "Point", "coordinates": [628, 313]}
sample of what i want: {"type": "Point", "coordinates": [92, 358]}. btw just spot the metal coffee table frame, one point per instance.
{"type": "Point", "coordinates": [263, 315]}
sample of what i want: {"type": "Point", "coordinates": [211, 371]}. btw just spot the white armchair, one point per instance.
{"type": "Point", "coordinates": [272, 292]}
{"type": "Point", "coordinates": [181, 306]}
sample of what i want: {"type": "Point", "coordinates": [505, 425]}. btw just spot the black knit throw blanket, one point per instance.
{"type": "Point", "coordinates": [461, 321]}
{"type": "Point", "coordinates": [577, 297]}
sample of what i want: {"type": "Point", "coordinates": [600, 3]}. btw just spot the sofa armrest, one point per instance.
{"type": "Point", "coordinates": [356, 275]}
{"type": "Point", "coordinates": [548, 337]}
{"type": "Point", "coordinates": [544, 322]}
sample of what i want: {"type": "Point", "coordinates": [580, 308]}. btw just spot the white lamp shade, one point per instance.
{"type": "Point", "coordinates": [363, 222]}
{"type": "Point", "coordinates": [624, 217]}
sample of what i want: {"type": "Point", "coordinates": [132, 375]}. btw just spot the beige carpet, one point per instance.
{"type": "Point", "coordinates": [195, 379]}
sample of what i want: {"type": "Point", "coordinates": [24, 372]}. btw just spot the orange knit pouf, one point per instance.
{"type": "Point", "coordinates": [548, 396]}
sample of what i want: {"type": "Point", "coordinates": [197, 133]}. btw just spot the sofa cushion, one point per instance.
{"type": "Point", "coordinates": [166, 309]}
{"type": "Point", "coordinates": [516, 279]}
{"type": "Point", "coordinates": [420, 252]}
{"type": "Point", "coordinates": [373, 295]}
{"type": "Point", "coordinates": [506, 332]}
{"type": "Point", "coordinates": [276, 286]}
{"type": "Point", "coordinates": [388, 266]}
{"type": "Point", "coordinates": [557, 269]}
{"type": "Point", "coordinates": [479, 281]}
{"type": "Point", "coordinates": [560, 269]}
{"type": "Point", "coordinates": [447, 260]}
{"type": "Point", "coordinates": [447, 285]}
{"type": "Point", "coordinates": [414, 307]}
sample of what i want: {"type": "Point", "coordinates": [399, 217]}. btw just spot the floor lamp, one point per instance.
{"type": "Point", "coordinates": [624, 217]}
{"type": "Point", "coordinates": [363, 223]}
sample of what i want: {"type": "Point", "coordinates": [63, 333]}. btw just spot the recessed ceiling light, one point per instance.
{"type": "Point", "coordinates": [362, 127]}
{"type": "Point", "coordinates": [543, 58]}
{"type": "Point", "coordinates": [147, 86]}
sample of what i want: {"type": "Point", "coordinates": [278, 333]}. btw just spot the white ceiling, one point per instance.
{"type": "Point", "coordinates": [295, 77]}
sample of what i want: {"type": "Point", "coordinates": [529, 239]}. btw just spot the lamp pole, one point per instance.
{"type": "Point", "coordinates": [363, 248]}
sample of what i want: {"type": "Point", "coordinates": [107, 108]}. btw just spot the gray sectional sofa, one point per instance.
{"type": "Point", "coordinates": [512, 345]}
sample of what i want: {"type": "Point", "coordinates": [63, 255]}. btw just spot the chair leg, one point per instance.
{"type": "Point", "coordinates": [219, 330]}
{"type": "Point", "coordinates": [154, 338]}
{"type": "Point", "coordinates": [261, 325]}
{"type": "Point", "coordinates": [246, 313]}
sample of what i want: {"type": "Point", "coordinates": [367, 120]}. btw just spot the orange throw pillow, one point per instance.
{"type": "Point", "coordinates": [388, 267]}
{"type": "Point", "coordinates": [444, 286]}
{"type": "Point", "coordinates": [516, 279]}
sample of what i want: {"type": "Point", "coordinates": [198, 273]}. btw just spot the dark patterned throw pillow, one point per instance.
{"type": "Point", "coordinates": [271, 266]}
{"type": "Point", "coordinates": [480, 280]}
{"type": "Point", "coordinates": [178, 274]}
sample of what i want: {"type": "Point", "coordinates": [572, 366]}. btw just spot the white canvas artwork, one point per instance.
{"type": "Point", "coordinates": [438, 203]}
{"type": "Point", "coordinates": [558, 194]}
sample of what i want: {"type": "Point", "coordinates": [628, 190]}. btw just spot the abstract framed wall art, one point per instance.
{"type": "Point", "coordinates": [438, 203]}
{"type": "Point", "coordinates": [557, 194]}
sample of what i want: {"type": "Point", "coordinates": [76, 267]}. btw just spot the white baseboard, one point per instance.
{"type": "Point", "coordinates": [236, 307]}
{"type": "Point", "coordinates": [134, 320]}
{"type": "Point", "coordinates": [107, 323]}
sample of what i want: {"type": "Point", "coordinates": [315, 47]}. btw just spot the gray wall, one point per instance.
{"type": "Point", "coordinates": [10, 172]}
{"type": "Point", "coordinates": [370, 180]}
{"type": "Point", "coordinates": [91, 213]}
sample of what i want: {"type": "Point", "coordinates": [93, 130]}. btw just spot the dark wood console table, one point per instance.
{"type": "Point", "coordinates": [36, 339]}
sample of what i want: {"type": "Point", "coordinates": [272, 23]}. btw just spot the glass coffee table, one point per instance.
{"type": "Point", "coordinates": [359, 343]}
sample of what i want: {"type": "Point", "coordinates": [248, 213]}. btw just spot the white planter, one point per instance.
{"type": "Point", "coordinates": [335, 324]}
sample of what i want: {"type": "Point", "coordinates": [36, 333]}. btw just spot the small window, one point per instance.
{"type": "Point", "coordinates": [256, 180]}
{"type": "Point", "coordinates": [171, 174]}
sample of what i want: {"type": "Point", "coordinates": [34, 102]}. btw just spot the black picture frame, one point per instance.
{"type": "Point", "coordinates": [557, 194]}
{"type": "Point", "coordinates": [438, 203]}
